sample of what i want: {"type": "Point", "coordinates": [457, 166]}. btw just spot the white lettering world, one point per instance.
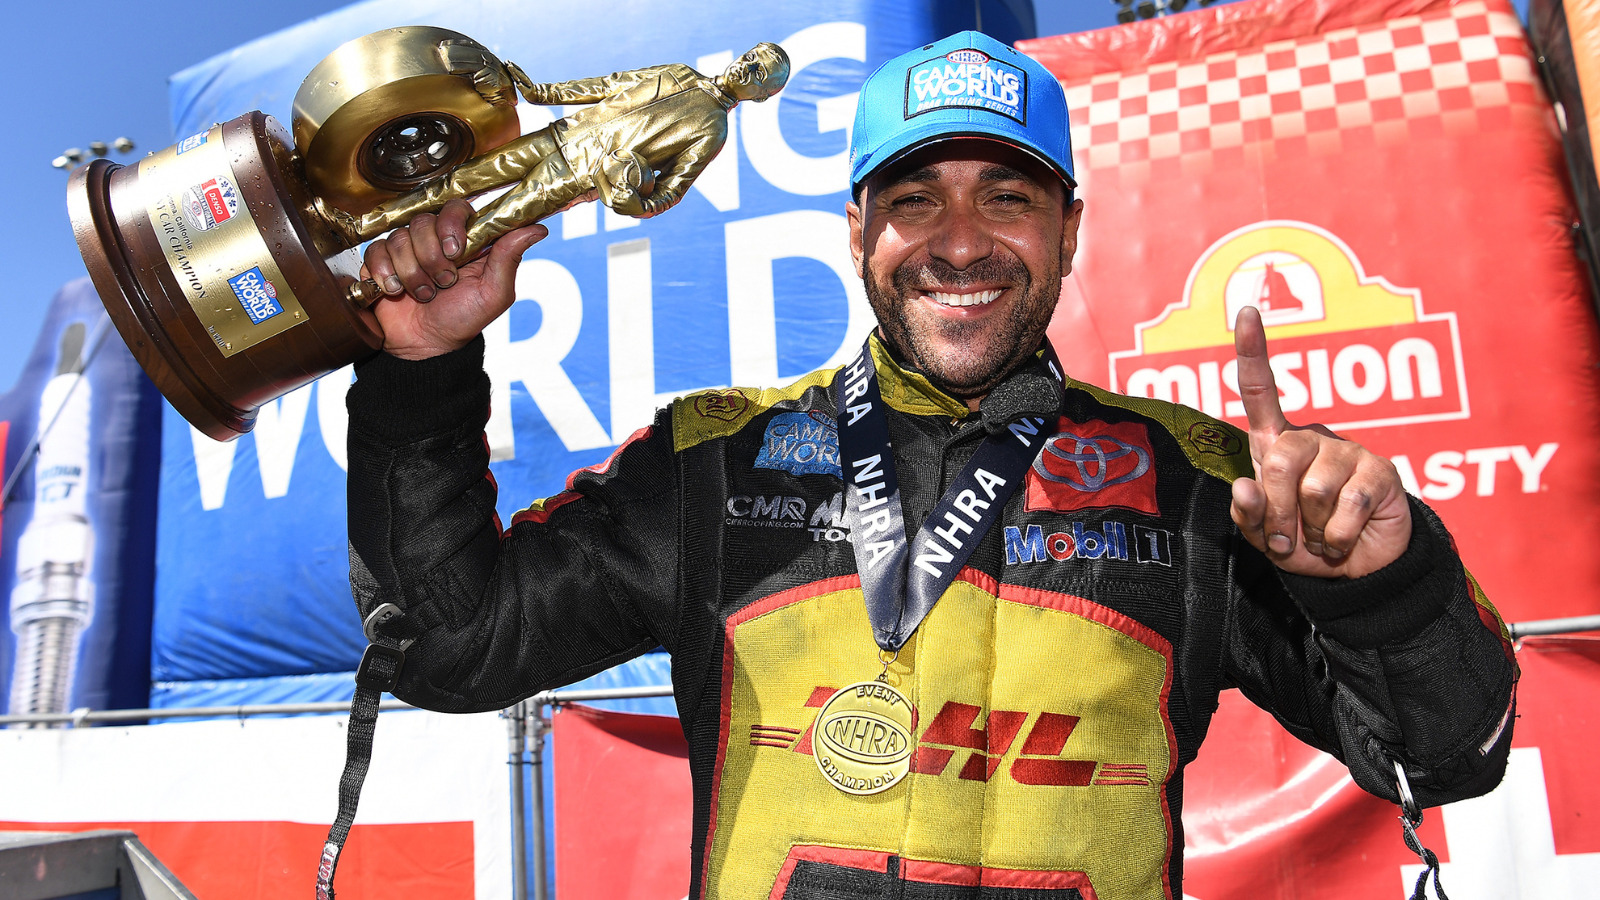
{"type": "Point", "coordinates": [536, 377]}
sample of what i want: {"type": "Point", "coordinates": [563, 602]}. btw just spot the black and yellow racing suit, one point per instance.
{"type": "Point", "coordinates": [1060, 684]}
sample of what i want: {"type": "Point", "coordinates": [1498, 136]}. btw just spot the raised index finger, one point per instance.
{"type": "Point", "coordinates": [1257, 388]}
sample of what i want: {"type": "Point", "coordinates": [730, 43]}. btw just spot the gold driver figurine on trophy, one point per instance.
{"type": "Point", "coordinates": [229, 261]}
{"type": "Point", "coordinates": [647, 137]}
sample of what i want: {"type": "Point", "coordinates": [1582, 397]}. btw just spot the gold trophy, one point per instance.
{"type": "Point", "coordinates": [230, 263]}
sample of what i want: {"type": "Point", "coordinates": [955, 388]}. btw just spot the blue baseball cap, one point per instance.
{"type": "Point", "coordinates": [967, 85]}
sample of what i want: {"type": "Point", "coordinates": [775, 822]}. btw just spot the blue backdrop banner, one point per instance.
{"type": "Point", "coordinates": [748, 281]}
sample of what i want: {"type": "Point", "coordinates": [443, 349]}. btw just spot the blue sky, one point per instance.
{"type": "Point", "coordinates": [104, 76]}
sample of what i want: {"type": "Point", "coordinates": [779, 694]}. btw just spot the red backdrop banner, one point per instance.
{"type": "Point", "coordinates": [1384, 179]}
{"type": "Point", "coordinates": [622, 805]}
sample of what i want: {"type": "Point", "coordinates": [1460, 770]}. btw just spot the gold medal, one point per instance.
{"type": "Point", "coordinates": [862, 741]}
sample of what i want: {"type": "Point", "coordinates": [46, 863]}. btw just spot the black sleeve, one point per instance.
{"type": "Point", "coordinates": [577, 583]}
{"type": "Point", "coordinates": [1408, 663]}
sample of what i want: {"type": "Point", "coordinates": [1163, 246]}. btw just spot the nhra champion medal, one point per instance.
{"type": "Point", "coordinates": [862, 741]}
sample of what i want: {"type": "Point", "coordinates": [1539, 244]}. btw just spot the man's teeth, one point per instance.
{"type": "Point", "coordinates": [975, 299]}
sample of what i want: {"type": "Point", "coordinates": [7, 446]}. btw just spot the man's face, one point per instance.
{"type": "Point", "coordinates": [962, 247]}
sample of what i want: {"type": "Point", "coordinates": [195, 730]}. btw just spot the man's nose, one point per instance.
{"type": "Point", "coordinates": [961, 237]}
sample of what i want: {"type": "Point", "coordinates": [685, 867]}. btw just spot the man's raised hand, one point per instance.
{"type": "Point", "coordinates": [1319, 505]}
{"type": "Point", "coordinates": [432, 302]}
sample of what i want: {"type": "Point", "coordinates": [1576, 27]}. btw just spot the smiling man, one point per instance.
{"type": "Point", "coordinates": [945, 623]}
{"type": "Point", "coordinates": [966, 242]}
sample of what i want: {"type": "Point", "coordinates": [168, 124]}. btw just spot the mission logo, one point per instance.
{"type": "Point", "coordinates": [1348, 349]}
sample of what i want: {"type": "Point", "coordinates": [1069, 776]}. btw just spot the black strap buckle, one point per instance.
{"type": "Point", "coordinates": [380, 667]}
{"type": "Point", "coordinates": [384, 656]}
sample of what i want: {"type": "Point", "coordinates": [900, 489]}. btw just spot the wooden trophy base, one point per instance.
{"type": "Point", "coordinates": [227, 288]}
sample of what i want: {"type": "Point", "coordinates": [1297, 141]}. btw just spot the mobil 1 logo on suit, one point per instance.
{"type": "Point", "coordinates": [1087, 466]}
{"type": "Point", "coordinates": [1109, 540]}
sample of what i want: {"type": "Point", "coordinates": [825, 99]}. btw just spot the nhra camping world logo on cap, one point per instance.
{"type": "Point", "coordinates": [210, 203]}
{"type": "Point", "coordinates": [256, 294]}
{"type": "Point", "coordinates": [1347, 349]}
{"type": "Point", "coordinates": [968, 78]}
{"type": "Point", "coordinates": [1092, 465]}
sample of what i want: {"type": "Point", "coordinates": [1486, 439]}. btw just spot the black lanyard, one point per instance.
{"type": "Point", "coordinates": [900, 579]}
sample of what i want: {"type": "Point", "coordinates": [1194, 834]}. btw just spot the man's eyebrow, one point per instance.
{"type": "Point", "coordinates": [992, 172]}
{"type": "Point", "coordinates": [999, 172]}
{"type": "Point", "coordinates": [930, 174]}
{"type": "Point", "coordinates": [924, 174]}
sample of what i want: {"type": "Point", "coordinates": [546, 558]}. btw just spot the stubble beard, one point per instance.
{"type": "Point", "coordinates": [989, 350]}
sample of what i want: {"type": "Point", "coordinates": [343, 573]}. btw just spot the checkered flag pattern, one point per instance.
{"type": "Point", "coordinates": [1458, 71]}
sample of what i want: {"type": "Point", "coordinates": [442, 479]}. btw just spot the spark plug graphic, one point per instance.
{"type": "Point", "coordinates": [53, 601]}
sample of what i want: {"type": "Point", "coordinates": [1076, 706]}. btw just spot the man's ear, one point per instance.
{"type": "Point", "coordinates": [1069, 235]}
{"type": "Point", "coordinates": [857, 247]}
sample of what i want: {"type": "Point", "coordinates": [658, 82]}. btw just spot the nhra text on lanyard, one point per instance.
{"type": "Point", "coordinates": [900, 595]}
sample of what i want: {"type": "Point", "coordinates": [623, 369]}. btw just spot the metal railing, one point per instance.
{"type": "Point", "coordinates": [108, 716]}
{"type": "Point", "coordinates": [527, 724]}
{"type": "Point", "coordinates": [1553, 626]}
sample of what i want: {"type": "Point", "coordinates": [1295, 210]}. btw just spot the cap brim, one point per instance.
{"type": "Point", "coordinates": [936, 132]}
